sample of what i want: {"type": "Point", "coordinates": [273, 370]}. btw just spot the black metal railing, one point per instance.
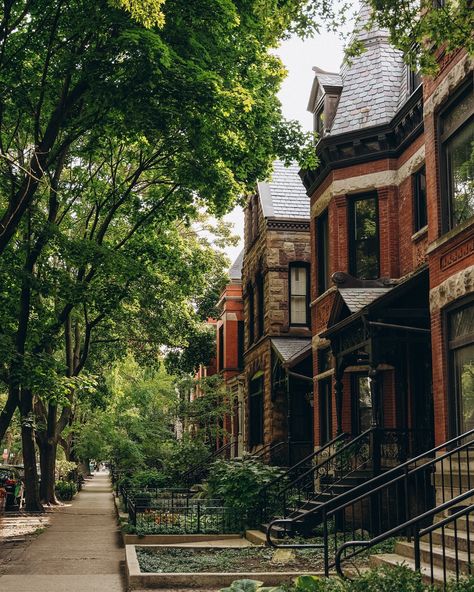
{"type": "Point", "coordinates": [269, 452]}
{"type": "Point", "coordinates": [272, 503]}
{"type": "Point", "coordinates": [441, 560]}
{"type": "Point", "coordinates": [390, 499]}
{"type": "Point", "coordinates": [198, 517]}
{"type": "Point", "coordinates": [167, 497]}
{"type": "Point", "coordinates": [198, 473]}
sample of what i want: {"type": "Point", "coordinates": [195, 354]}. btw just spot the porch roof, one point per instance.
{"type": "Point", "coordinates": [372, 300]}
{"type": "Point", "coordinates": [291, 349]}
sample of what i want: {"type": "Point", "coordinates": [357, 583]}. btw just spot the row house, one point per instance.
{"type": "Point", "coordinates": [230, 358]}
{"type": "Point", "coordinates": [276, 296]}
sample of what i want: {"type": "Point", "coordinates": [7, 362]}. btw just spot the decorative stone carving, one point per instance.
{"type": "Point", "coordinates": [458, 285]}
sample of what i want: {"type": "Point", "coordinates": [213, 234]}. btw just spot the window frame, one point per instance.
{"type": "Point", "coordinates": [260, 285]}
{"type": "Point", "coordinates": [352, 200]}
{"type": "Point", "coordinates": [417, 226]}
{"type": "Point", "coordinates": [220, 340]}
{"type": "Point", "coordinates": [322, 246]}
{"type": "Point", "coordinates": [450, 347]}
{"type": "Point", "coordinates": [443, 137]}
{"type": "Point", "coordinates": [306, 266]}
{"type": "Point", "coordinates": [240, 344]}
{"type": "Point", "coordinates": [256, 439]}
{"type": "Point", "coordinates": [251, 313]}
{"type": "Point", "coordinates": [412, 77]}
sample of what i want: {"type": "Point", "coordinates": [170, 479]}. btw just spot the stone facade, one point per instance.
{"type": "Point", "coordinates": [273, 245]}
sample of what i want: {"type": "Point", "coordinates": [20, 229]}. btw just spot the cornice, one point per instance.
{"type": "Point", "coordinates": [367, 144]}
{"type": "Point", "coordinates": [290, 225]}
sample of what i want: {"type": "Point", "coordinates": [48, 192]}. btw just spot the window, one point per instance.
{"type": "Point", "coordinates": [240, 343]}
{"type": "Point", "coordinates": [414, 80]}
{"type": "Point", "coordinates": [457, 158]}
{"type": "Point", "coordinates": [362, 404]}
{"type": "Point", "coordinates": [251, 314]}
{"type": "Point", "coordinates": [461, 348]}
{"type": "Point", "coordinates": [221, 347]}
{"type": "Point", "coordinates": [364, 237]}
{"type": "Point", "coordinates": [419, 199]}
{"type": "Point", "coordinates": [260, 304]}
{"type": "Point", "coordinates": [299, 294]}
{"type": "Point", "coordinates": [256, 410]}
{"type": "Point", "coordinates": [322, 253]}
{"type": "Point", "coordinates": [319, 122]}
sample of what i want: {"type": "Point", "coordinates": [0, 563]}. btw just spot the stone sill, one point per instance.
{"type": "Point", "coordinates": [450, 235]}
{"type": "Point", "coordinates": [419, 234]}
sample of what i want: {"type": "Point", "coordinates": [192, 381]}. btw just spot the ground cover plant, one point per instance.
{"type": "Point", "coordinates": [382, 579]}
{"type": "Point", "coordinates": [249, 559]}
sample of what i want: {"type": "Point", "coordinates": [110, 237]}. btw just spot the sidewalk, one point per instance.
{"type": "Point", "coordinates": [79, 552]}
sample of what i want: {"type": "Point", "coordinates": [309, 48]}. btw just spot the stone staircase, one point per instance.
{"type": "Point", "coordinates": [451, 548]}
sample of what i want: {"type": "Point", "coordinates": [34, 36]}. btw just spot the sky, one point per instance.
{"type": "Point", "coordinates": [299, 57]}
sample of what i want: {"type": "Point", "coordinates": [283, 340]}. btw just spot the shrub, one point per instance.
{"type": "Point", "coordinates": [148, 478]}
{"type": "Point", "coordinates": [183, 456]}
{"type": "Point", "coordinates": [65, 490]}
{"type": "Point", "coordinates": [383, 579]}
{"type": "Point", "coordinates": [239, 482]}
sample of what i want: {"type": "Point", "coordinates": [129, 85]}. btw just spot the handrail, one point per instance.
{"type": "Point", "coordinates": [405, 526]}
{"type": "Point", "coordinates": [268, 448]}
{"type": "Point", "coordinates": [204, 465]}
{"type": "Point", "coordinates": [312, 470]}
{"type": "Point", "coordinates": [303, 461]}
{"type": "Point", "coordinates": [385, 480]}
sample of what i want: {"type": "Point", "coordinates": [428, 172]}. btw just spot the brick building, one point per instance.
{"type": "Point", "coordinates": [276, 280]}
{"type": "Point", "coordinates": [230, 349]}
{"type": "Point", "coordinates": [392, 237]}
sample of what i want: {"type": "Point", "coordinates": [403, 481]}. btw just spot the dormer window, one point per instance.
{"type": "Point", "coordinates": [319, 121]}
{"type": "Point", "coordinates": [414, 79]}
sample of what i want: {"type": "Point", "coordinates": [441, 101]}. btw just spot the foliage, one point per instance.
{"type": "Point", "coordinates": [148, 478]}
{"type": "Point", "coordinates": [250, 586]}
{"type": "Point", "coordinates": [184, 455]}
{"type": "Point", "coordinates": [200, 349]}
{"type": "Point", "coordinates": [238, 482]}
{"type": "Point", "coordinates": [383, 579]}
{"type": "Point", "coordinates": [64, 468]}
{"type": "Point", "coordinates": [66, 490]}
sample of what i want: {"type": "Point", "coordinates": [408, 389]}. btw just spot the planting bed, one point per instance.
{"type": "Point", "coordinates": [179, 560]}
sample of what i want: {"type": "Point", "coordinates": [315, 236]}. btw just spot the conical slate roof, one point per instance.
{"type": "Point", "coordinates": [372, 83]}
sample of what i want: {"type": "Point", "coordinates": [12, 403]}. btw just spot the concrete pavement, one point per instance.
{"type": "Point", "coordinates": [79, 552]}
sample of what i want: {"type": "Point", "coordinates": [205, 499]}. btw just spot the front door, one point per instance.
{"type": "Point", "coordinates": [361, 404]}
{"type": "Point", "coordinates": [301, 420]}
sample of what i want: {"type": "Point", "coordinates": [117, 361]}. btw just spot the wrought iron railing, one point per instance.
{"type": "Point", "coordinates": [198, 473]}
{"type": "Point", "coordinates": [429, 552]}
{"type": "Point", "coordinates": [272, 500]}
{"type": "Point", "coordinates": [390, 499]}
{"type": "Point", "coordinates": [269, 453]}
{"type": "Point", "coordinates": [164, 496]}
{"type": "Point", "coordinates": [198, 517]}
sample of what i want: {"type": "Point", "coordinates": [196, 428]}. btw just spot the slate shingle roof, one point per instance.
{"type": "Point", "coordinates": [235, 272]}
{"type": "Point", "coordinates": [284, 195]}
{"type": "Point", "coordinates": [357, 298]}
{"type": "Point", "coordinates": [374, 84]}
{"type": "Point", "coordinates": [290, 347]}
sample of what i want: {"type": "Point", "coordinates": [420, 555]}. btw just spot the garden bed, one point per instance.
{"type": "Point", "coordinates": [199, 567]}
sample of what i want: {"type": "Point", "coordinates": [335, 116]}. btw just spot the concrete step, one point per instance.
{"type": "Point", "coordinates": [436, 575]}
{"type": "Point", "coordinates": [453, 538]}
{"type": "Point", "coordinates": [437, 556]}
{"type": "Point", "coordinates": [256, 537]}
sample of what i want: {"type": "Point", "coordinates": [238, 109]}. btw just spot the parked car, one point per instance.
{"type": "Point", "coordinates": [11, 480]}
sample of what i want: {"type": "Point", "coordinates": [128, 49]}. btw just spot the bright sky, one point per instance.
{"type": "Point", "coordinates": [299, 57]}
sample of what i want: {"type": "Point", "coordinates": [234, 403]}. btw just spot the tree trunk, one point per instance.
{"type": "Point", "coordinates": [48, 450]}
{"type": "Point", "coordinates": [32, 500]}
{"type": "Point", "coordinates": [8, 411]}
